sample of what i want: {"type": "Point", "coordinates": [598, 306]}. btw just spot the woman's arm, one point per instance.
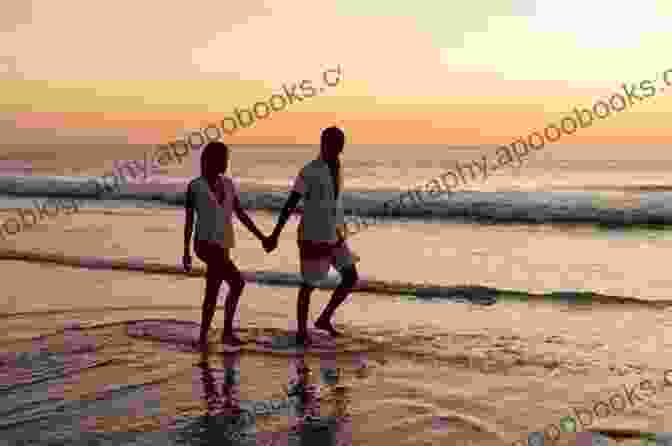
{"type": "Point", "coordinates": [246, 220]}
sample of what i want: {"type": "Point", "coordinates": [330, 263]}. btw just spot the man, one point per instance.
{"type": "Point", "coordinates": [321, 233]}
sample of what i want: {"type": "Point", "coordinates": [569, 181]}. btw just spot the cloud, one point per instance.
{"type": "Point", "coordinates": [275, 41]}
{"type": "Point", "coordinates": [212, 56]}
{"type": "Point", "coordinates": [125, 39]}
{"type": "Point", "coordinates": [597, 42]}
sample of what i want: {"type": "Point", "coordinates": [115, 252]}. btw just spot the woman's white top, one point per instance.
{"type": "Point", "coordinates": [214, 219]}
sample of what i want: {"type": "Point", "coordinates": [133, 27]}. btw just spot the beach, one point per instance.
{"type": "Point", "coordinates": [102, 354]}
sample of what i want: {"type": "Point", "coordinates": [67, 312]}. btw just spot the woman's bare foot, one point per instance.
{"type": "Point", "coordinates": [326, 326]}
{"type": "Point", "coordinates": [232, 340]}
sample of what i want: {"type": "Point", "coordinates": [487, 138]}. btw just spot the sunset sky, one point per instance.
{"type": "Point", "coordinates": [431, 72]}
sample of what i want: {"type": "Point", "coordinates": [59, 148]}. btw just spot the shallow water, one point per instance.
{"type": "Point", "coordinates": [418, 366]}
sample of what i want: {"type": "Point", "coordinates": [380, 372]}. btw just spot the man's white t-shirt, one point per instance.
{"type": "Point", "coordinates": [322, 212]}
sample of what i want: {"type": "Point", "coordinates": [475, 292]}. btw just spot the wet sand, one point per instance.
{"type": "Point", "coordinates": [434, 373]}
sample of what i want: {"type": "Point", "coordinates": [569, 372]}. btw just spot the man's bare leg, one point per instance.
{"type": "Point", "coordinates": [213, 282]}
{"type": "Point", "coordinates": [341, 293]}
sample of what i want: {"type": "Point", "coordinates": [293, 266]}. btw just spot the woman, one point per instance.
{"type": "Point", "coordinates": [214, 198]}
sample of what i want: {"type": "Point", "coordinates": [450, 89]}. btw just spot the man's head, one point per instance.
{"type": "Point", "coordinates": [331, 143]}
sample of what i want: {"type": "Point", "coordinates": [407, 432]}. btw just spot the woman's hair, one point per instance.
{"type": "Point", "coordinates": [214, 154]}
{"type": "Point", "coordinates": [333, 137]}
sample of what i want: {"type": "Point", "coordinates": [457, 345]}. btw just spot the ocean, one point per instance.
{"type": "Point", "coordinates": [483, 316]}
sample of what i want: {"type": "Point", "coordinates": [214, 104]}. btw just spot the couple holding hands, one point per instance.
{"type": "Point", "coordinates": [321, 234]}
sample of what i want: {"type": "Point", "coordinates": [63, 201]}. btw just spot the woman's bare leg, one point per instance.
{"type": "Point", "coordinates": [220, 268]}
{"type": "Point", "coordinates": [236, 284]}
{"type": "Point", "coordinates": [213, 282]}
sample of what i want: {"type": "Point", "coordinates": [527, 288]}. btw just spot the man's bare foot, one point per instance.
{"type": "Point", "coordinates": [232, 340]}
{"type": "Point", "coordinates": [326, 326]}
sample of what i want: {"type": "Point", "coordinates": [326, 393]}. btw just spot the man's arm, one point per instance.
{"type": "Point", "coordinates": [299, 189]}
{"type": "Point", "coordinates": [189, 221]}
{"type": "Point", "coordinates": [290, 205]}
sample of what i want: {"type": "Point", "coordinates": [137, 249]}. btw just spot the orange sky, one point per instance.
{"type": "Point", "coordinates": [425, 73]}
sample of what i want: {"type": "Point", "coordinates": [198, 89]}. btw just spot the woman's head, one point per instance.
{"type": "Point", "coordinates": [214, 159]}
{"type": "Point", "coordinates": [331, 143]}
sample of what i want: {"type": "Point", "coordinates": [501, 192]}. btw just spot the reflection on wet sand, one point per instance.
{"type": "Point", "coordinates": [317, 413]}
{"type": "Point", "coordinates": [311, 424]}
{"type": "Point", "coordinates": [224, 419]}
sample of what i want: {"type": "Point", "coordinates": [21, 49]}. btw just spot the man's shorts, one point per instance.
{"type": "Point", "coordinates": [317, 257]}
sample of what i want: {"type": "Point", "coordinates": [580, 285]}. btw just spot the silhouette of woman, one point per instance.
{"type": "Point", "coordinates": [213, 197]}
